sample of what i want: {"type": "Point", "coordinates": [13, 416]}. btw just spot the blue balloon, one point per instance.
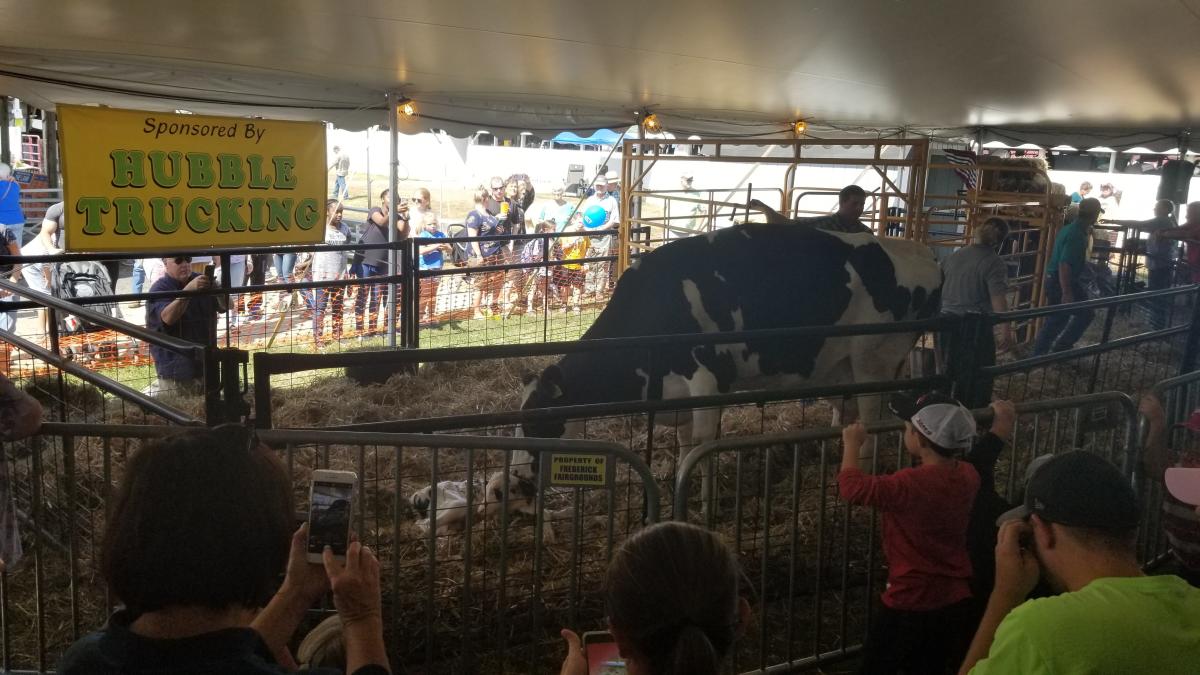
{"type": "Point", "coordinates": [594, 216]}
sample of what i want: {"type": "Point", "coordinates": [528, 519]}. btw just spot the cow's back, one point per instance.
{"type": "Point", "coordinates": [753, 276]}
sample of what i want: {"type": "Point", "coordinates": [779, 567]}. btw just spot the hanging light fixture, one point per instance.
{"type": "Point", "coordinates": [799, 126]}
{"type": "Point", "coordinates": [407, 107]}
{"type": "Point", "coordinates": [650, 123]}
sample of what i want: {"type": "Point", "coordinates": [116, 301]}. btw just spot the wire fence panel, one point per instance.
{"type": "Point", "coordinates": [813, 561]}
{"type": "Point", "coordinates": [1179, 398]}
{"type": "Point", "coordinates": [513, 552]}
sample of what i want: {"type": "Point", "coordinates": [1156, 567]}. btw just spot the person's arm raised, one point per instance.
{"type": "Point", "coordinates": [173, 312]}
{"type": "Point", "coordinates": [1017, 573]}
{"type": "Point", "coordinates": [356, 596]}
{"type": "Point", "coordinates": [303, 585]}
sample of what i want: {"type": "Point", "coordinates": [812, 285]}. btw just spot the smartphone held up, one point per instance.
{"type": "Point", "coordinates": [330, 498]}
{"type": "Point", "coordinates": [603, 656]}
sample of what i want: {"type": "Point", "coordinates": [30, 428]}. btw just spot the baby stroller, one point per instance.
{"type": "Point", "coordinates": [72, 281]}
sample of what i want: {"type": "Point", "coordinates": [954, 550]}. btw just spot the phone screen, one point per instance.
{"type": "Point", "coordinates": [604, 659]}
{"type": "Point", "coordinates": [329, 517]}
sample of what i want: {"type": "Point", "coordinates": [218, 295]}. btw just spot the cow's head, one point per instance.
{"type": "Point", "coordinates": [544, 391]}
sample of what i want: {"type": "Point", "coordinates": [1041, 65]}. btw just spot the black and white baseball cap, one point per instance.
{"type": "Point", "coordinates": [940, 418]}
{"type": "Point", "coordinates": [1078, 489]}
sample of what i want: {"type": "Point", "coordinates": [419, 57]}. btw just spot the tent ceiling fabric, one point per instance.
{"type": "Point", "coordinates": [552, 65]}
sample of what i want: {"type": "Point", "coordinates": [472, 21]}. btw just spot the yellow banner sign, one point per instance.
{"type": "Point", "coordinates": [578, 470]}
{"type": "Point", "coordinates": [161, 181]}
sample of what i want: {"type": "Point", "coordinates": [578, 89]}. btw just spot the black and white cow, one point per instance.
{"type": "Point", "coordinates": [747, 277]}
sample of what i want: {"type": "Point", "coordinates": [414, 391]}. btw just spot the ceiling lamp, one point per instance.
{"type": "Point", "coordinates": [407, 108]}
{"type": "Point", "coordinates": [799, 126]}
{"type": "Point", "coordinates": [650, 124]}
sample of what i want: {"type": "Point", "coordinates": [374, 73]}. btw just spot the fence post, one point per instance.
{"type": "Point", "coordinates": [213, 414]}
{"type": "Point", "coordinates": [262, 392]}
{"type": "Point", "coordinates": [410, 296]}
{"type": "Point", "coordinates": [1188, 363]}
{"type": "Point", "coordinates": [235, 407]}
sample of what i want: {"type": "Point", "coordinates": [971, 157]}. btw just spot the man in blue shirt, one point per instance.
{"type": "Point", "coordinates": [192, 318]}
{"type": "Point", "coordinates": [1064, 282]}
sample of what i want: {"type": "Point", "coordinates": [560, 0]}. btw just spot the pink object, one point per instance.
{"type": "Point", "coordinates": [1184, 484]}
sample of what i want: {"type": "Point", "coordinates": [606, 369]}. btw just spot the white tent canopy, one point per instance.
{"type": "Point", "coordinates": [1027, 71]}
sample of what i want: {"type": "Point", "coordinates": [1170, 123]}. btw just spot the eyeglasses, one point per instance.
{"type": "Point", "coordinates": [182, 260]}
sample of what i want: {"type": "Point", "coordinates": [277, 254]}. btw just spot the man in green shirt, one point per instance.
{"type": "Point", "coordinates": [1064, 282]}
{"type": "Point", "coordinates": [1078, 528]}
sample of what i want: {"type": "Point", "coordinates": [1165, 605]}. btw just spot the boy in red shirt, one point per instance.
{"type": "Point", "coordinates": [925, 623]}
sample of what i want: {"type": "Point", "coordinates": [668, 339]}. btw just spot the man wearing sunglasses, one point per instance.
{"type": "Point", "coordinates": [192, 318]}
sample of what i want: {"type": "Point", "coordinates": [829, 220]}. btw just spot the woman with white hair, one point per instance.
{"type": "Point", "coordinates": [11, 216]}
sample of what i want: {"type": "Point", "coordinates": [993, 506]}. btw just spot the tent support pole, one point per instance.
{"type": "Point", "coordinates": [50, 132]}
{"type": "Point", "coordinates": [5, 150]}
{"type": "Point", "coordinates": [393, 179]}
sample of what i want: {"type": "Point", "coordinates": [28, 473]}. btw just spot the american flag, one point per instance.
{"type": "Point", "coordinates": [964, 165]}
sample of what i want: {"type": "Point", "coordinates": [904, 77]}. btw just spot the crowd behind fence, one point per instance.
{"type": "Point", "coordinates": [468, 589]}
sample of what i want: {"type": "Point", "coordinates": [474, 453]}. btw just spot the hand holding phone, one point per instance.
{"type": "Point", "coordinates": [331, 496]}
{"type": "Point", "coordinates": [603, 655]}
{"type": "Point", "coordinates": [210, 270]}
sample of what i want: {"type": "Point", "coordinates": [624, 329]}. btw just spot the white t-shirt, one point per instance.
{"type": "Point", "coordinates": [608, 203]}
{"type": "Point", "coordinates": [329, 265]}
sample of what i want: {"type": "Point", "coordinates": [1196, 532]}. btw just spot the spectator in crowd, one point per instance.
{"type": "Point", "coordinates": [515, 211]}
{"type": "Point", "coordinates": [8, 320]}
{"type": "Point", "coordinates": [495, 195]}
{"type": "Point", "coordinates": [694, 209]}
{"type": "Point", "coordinates": [414, 210]}
{"type": "Point", "coordinates": [569, 277]}
{"type": "Point", "coordinates": [852, 199]}
{"type": "Point", "coordinates": [1078, 529]}
{"type": "Point", "coordinates": [1085, 189]}
{"type": "Point", "coordinates": [1180, 521]}
{"type": "Point", "coordinates": [432, 257]}
{"type": "Point", "coordinates": [558, 210]}
{"type": "Point", "coordinates": [1064, 282]}
{"type": "Point", "coordinates": [20, 417]}
{"type": "Point", "coordinates": [1160, 255]}
{"type": "Point", "coordinates": [1110, 199]}
{"type": "Point", "coordinates": [923, 626]}
{"type": "Point", "coordinates": [614, 186]}
{"type": "Point", "coordinates": [340, 168]}
{"type": "Point", "coordinates": [12, 217]}
{"type": "Point", "coordinates": [989, 505]}
{"type": "Point", "coordinates": [239, 267]}
{"type": "Point", "coordinates": [975, 281]}
{"type": "Point", "coordinates": [138, 279]}
{"type": "Point", "coordinates": [257, 270]}
{"type": "Point", "coordinates": [373, 264]}
{"type": "Point", "coordinates": [196, 573]}
{"type": "Point", "coordinates": [330, 266]}
{"type": "Point", "coordinates": [191, 318]}
{"type": "Point", "coordinates": [38, 275]}
{"type": "Point", "coordinates": [525, 192]}
{"type": "Point", "coordinates": [672, 596]}
{"type": "Point", "coordinates": [480, 222]}
{"type": "Point", "coordinates": [528, 286]}
{"type": "Point", "coordinates": [596, 277]}
{"type": "Point", "coordinates": [1190, 233]}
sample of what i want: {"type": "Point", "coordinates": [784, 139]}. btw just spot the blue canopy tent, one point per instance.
{"type": "Point", "coordinates": [600, 137]}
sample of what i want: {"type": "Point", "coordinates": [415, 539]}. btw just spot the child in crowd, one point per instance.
{"type": "Point", "coordinates": [924, 626]}
{"type": "Point", "coordinates": [1180, 518]}
{"type": "Point", "coordinates": [672, 595]}
{"type": "Point", "coordinates": [529, 286]}
{"type": "Point", "coordinates": [569, 277]}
